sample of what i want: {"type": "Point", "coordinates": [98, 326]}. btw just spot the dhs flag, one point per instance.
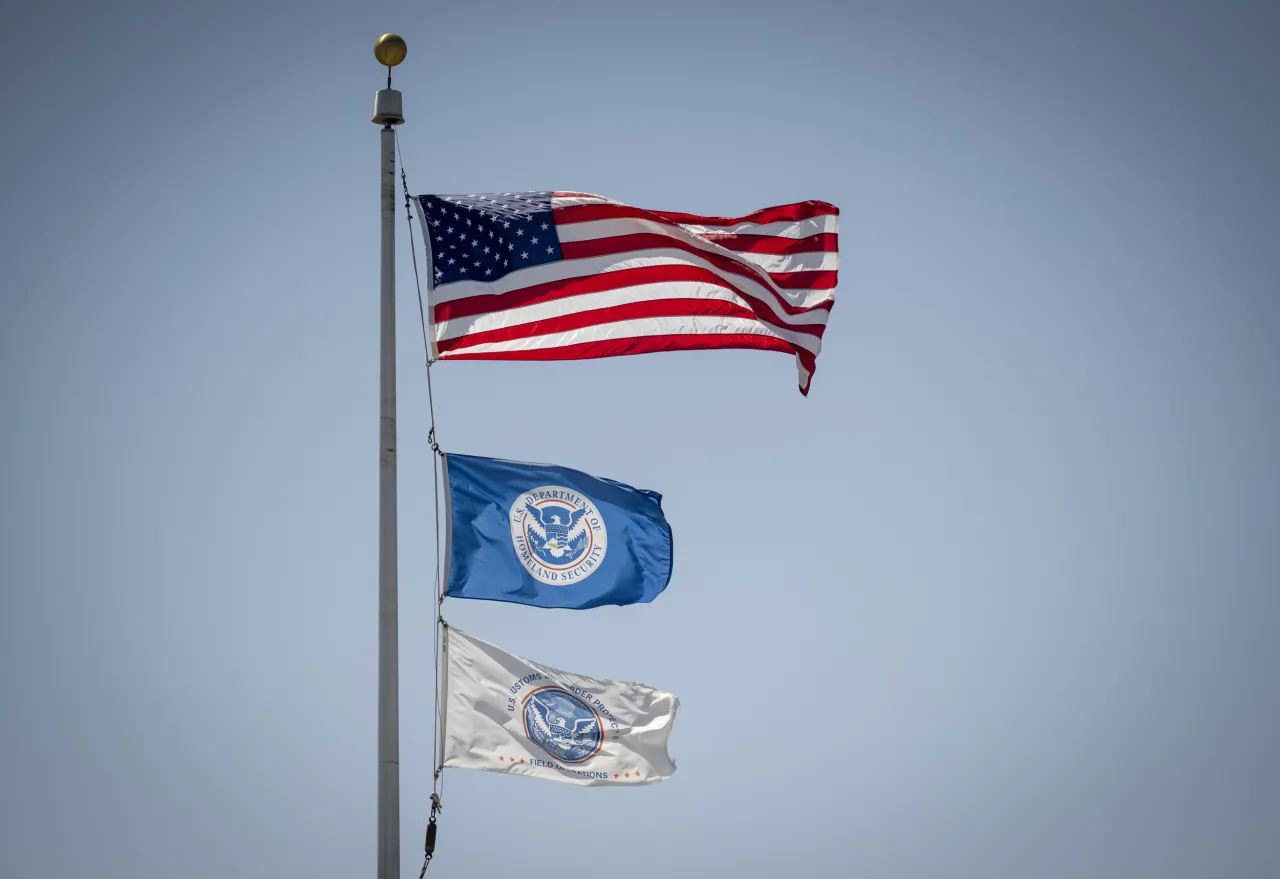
{"type": "Point", "coordinates": [507, 714]}
{"type": "Point", "coordinates": [551, 537]}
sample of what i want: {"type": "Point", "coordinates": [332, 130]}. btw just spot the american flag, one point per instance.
{"type": "Point", "coordinates": [569, 275]}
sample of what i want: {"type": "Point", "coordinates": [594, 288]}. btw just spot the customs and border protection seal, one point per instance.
{"type": "Point", "coordinates": [558, 534]}
{"type": "Point", "coordinates": [561, 724]}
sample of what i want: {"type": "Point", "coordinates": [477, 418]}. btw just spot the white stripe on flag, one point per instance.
{"type": "Point", "coordinates": [568, 201]}
{"type": "Point", "coordinates": [511, 317]}
{"type": "Point", "coordinates": [687, 325]}
{"type": "Point", "coordinates": [783, 263]}
{"type": "Point", "coordinates": [778, 229]}
{"type": "Point", "coordinates": [816, 260]}
{"type": "Point", "coordinates": [565, 269]}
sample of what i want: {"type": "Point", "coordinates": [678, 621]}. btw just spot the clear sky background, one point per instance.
{"type": "Point", "coordinates": [999, 599]}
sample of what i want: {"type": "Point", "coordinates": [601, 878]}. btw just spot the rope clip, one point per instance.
{"type": "Point", "coordinates": [429, 844]}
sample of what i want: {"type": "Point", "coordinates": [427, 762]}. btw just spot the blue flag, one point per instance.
{"type": "Point", "coordinates": [551, 537]}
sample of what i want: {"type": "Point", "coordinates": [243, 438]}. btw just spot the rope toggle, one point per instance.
{"type": "Point", "coordinates": [429, 844]}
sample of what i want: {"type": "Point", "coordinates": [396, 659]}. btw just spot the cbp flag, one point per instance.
{"type": "Point", "coordinates": [565, 727]}
{"type": "Point", "coordinates": [551, 537]}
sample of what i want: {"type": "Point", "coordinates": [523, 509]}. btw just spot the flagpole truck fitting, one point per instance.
{"type": "Point", "coordinates": [388, 107]}
{"type": "Point", "coordinates": [390, 50]}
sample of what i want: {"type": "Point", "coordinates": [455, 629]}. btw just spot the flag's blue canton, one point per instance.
{"type": "Point", "coordinates": [484, 237]}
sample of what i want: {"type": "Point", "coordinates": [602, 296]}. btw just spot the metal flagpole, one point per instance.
{"type": "Point", "coordinates": [388, 111]}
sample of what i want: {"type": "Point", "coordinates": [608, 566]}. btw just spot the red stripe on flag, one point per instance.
{"type": "Point", "coordinates": [597, 283]}
{"type": "Point", "coordinates": [801, 210]}
{"type": "Point", "coordinates": [823, 242]}
{"type": "Point", "coordinates": [650, 345]}
{"type": "Point", "coordinates": [613, 314]}
{"type": "Point", "coordinates": [816, 280]}
{"type": "Point", "coordinates": [585, 213]}
{"type": "Point", "coordinates": [820, 280]}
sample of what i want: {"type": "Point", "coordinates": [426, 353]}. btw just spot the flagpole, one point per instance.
{"type": "Point", "coordinates": [388, 111]}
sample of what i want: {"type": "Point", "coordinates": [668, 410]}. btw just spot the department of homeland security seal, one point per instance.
{"type": "Point", "coordinates": [561, 724]}
{"type": "Point", "coordinates": [558, 534]}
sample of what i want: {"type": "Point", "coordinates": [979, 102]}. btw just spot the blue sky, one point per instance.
{"type": "Point", "coordinates": [998, 599]}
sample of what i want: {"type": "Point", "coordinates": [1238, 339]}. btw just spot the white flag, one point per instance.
{"type": "Point", "coordinates": [507, 714]}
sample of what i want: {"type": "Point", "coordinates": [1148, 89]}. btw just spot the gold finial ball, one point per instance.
{"type": "Point", "coordinates": [390, 50]}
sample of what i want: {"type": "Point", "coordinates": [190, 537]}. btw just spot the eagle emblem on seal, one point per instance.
{"type": "Point", "coordinates": [562, 724]}
{"type": "Point", "coordinates": [556, 534]}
